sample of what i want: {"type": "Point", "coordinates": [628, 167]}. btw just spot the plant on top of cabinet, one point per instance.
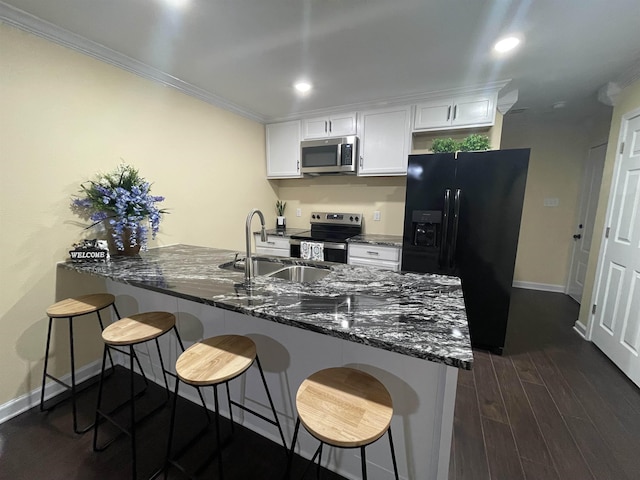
{"type": "Point", "coordinates": [122, 201]}
{"type": "Point", "coordinates": [444, 145]}
{"type": "Point", "coordinates": [474, 142]}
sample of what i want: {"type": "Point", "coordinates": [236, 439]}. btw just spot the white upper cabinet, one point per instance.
{"type": "Point", "coordinates": [283, 149]}
{"type": "Point", "coordinates": [478, 110]}
{"type": "Point", "coordinates": [338, 125]}
{"type": "Point", "coordinates": [385, 141]}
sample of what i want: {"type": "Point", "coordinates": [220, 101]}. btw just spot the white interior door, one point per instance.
{"type": "Point", "coordinates": [616, 323]}
{"type": "Point", "coordinates": [591, 181]}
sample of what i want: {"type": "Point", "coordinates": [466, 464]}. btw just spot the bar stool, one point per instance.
{"type": "Point", "coordinates": [344, 407]}
{"type": "Point", "coordinates": [128, 332]}
{"type": "Point", "coordinates": [70, 308]}
{"type": "Point", "coordinates": [212, 362]}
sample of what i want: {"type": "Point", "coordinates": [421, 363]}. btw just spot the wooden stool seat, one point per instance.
{"type": "Point", "coordinates": [344, 407]}
{"type": "Point", "coordinates": [76, 306]}
{"type": "Point", "coordinates": [216, 360]}
{"type": "Point", "coordinates": [138, 328]}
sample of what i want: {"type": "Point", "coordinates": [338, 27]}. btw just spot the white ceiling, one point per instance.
{"type": "Point", "coordinates": [245, 54]}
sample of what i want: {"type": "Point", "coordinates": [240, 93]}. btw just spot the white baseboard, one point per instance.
{"type": "Point", "coordinates": [546, 287]}
{"type": "Point", "coordinates": [580, 329]}
{"type": "Point", "coordinates": [21, 404]}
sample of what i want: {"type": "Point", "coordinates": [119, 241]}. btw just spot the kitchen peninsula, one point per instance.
{"type": "Point", "coordinates": [409, 330]}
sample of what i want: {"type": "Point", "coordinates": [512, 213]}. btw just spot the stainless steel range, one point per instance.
{"type": "Point", "coordinates": [332, 231]}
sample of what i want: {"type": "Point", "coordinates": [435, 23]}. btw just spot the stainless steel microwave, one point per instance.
{"type": "Point", "coordinates": [330, 155]}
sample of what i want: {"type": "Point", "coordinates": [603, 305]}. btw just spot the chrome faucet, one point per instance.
{"type": "Point", "coordinates": [248, 261]}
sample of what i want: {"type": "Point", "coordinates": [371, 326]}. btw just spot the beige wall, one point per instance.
{"type": "Point", "coordinates": [64, 117]}
{"type": "Point", "coordinates": [628, 100]}
{"type": "Point", "coordinates": [558, 152]}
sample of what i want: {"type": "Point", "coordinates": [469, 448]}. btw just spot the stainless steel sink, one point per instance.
{"type": "Point", "coordinates": [300, 273]}
{"type": "Point", "coordinates": [260, 267]}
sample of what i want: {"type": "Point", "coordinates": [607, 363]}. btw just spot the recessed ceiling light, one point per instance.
{"type": "Point", "coordinates": [302, 87]}
{"type": "Point", "coordinates": [506, 44]}
{"type": "Point", "coordinates": [177, 3]}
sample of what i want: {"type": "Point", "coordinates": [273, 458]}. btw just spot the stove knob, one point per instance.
{"type": "Point", "coordinates": [357, 219]}
{"type": "Point", "coordinates": [351, 218]}
{"type": "Point", "coordinates": [313, 216]}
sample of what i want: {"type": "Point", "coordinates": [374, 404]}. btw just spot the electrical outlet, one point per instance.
{"type": "Point", "coordinates": [376, 215]}
{"type": "Point", "coordinates": [298, 212]}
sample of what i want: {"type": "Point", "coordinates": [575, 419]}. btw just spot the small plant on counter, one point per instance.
{"type": "Point", "coordinates": [280, 206]}
{"type": "Point", "coordinates": [474, 142]}
{"type": "Point", "coordinates": [122, 200]}
{"type": "Point", "coordinates": [444, 145]}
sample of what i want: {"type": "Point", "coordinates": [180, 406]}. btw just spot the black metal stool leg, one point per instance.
{"type": "Point", "coordinates": [273, 408]}
{"type": "Point", "coordinates": [218, 439]}
{"type": "Point", "coordinates": [97, 419]}
{"type": "Point", "coordinates": [393, 454]}
{"type": "Point", "coordinates": [230, 409]}
{"type": "Point", "coordinates": [363, 458]}
{"type": "Point", "coordinates": [73, 380]}
{"type": "Point", "coordinates": [293, 446]}
{"type": "Point", "coordinates": [133, 411]}
{"type": "Point", "coordinates": [46, 365]}
{"type": "Point", "coordinates": [319, 461]}
{"type": "Point", "coordinates": [164, 372]}
{"type": "Point", "coordinates": [172, 424]}
{"type": "Point", "coordinates": [102, 328]}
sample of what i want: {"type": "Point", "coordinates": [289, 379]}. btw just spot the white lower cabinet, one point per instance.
{"type": "Point", "coordinates": [275, 246]}
{"type": "Point", "coordinates": [381, 256]}
{"type": "Point", "coordinates": [385, 140]}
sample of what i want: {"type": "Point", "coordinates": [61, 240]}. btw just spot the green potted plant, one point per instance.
{"type": "Point", "coordinates": [281, 222]}
{"type": "Point", "coordinates": [121, 200]}
{"type": "Point", "coordinates": [444, 145]}
{"type": "Point", "coordinates": [474, 142]}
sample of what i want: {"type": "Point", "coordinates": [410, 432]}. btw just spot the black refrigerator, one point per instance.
{"type": "Point", "coordinates": [462, 217]}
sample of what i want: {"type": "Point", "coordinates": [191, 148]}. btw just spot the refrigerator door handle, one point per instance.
{"type": "Point", "coordinates": [456, 221]}
{"type": "Point", "coordinates": [445, 227]}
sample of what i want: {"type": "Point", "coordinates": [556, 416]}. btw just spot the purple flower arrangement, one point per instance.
{"type": "Point", "coordinates": [122, 199]}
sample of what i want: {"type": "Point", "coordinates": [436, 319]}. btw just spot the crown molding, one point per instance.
{"type": "Point", "coordinates": [41, 28]}
{"type": "Point", "coordinates": [24, 21]}
{"type": "Point", "coordinates": [395, 101]}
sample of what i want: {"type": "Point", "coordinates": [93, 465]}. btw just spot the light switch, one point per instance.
{"type": "Point", "coordinates": [551, 202]}
{"type": "Point", "coordinates": [376, 215]}
{"type": "Point", "coordinates": [298, 212]}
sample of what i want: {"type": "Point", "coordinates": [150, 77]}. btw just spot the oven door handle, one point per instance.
{"type": "Point", "coordinates": [334, 246]}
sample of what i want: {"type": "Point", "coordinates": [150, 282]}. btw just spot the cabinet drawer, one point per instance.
{"type": "Point", "coordinates": [272, 242]}
{"type": "Point", "coordinates": [272, 252]}
{"type": "Point", "coordinates": [375, 252]}
{"type": "Point", "coordinates": [365, 262]}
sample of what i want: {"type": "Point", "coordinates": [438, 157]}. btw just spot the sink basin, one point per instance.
{"type": "Point", "coordinates": [260, 267]}
{"type": "Point", "coordinates": [300, 273]}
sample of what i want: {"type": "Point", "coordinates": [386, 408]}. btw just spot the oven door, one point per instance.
{"type": "Point", "coordinates": [333, 252]}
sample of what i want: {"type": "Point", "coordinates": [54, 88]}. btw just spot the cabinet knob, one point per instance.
{"type": "Point", "coordinates": [577, 237]}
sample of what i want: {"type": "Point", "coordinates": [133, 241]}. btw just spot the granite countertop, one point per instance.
{"type": "Point", "coordinates": [412, 314]}
{"type": "Point", "coordinates": [286, 233]}
{"type": "Point", "coordinates": [377, 239]}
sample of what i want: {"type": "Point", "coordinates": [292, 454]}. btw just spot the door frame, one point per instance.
{"type": "Point", "coordinates": [581, 199]}
{"type": "Point", "coordinates": [624, 125]}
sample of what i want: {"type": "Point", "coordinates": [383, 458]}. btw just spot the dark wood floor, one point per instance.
{"type": "Point", "coordinates": [552, 407]}
{"type": "Point", "coordinates": [41, 446]}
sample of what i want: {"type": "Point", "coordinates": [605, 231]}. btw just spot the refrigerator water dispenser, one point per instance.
{"type": "Point", "coordinates": [427, 228]}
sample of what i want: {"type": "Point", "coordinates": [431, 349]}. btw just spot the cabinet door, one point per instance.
{"type": "Point", "coordinates": [283, 150]}
{"type": "Point", "coordinates": [385, 137]}
{"type": "Point", "coordinates": [474, 110]}
{"type": "Point", "coordinates": [315, 128]}
{"type": "Point", "coordinates": [342, 125]}
{"type": "Point", "coordinates": [433, 115]}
